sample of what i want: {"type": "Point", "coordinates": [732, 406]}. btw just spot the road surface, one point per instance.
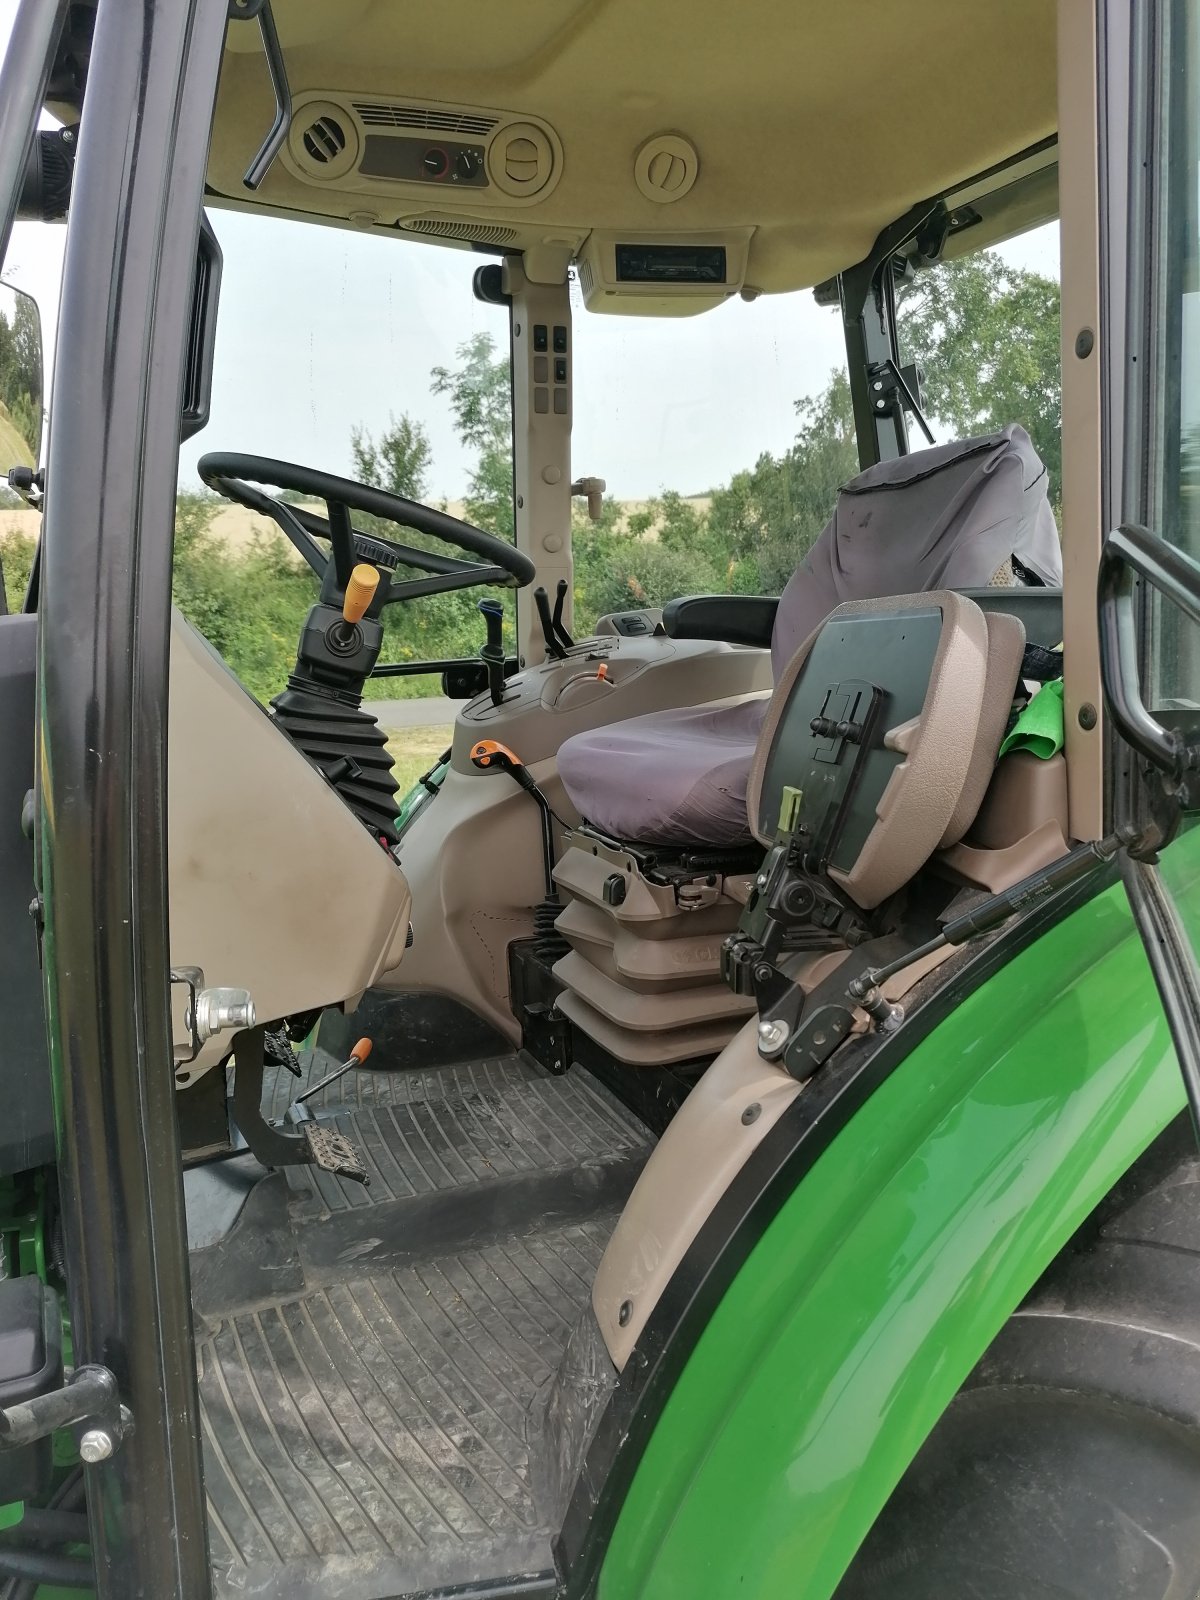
{"type": "Point", "coordinates": [431, 713]}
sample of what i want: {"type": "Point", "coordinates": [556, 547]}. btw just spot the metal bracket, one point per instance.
{"type": "Point", "coordinates": [894, 388]}
{"type": "Point", "coordinates": [88, 1404]}
{"type": "Point", "coordinates": [208, 1012]}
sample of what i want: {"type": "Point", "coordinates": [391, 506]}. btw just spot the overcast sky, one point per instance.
{"type": "Point", "coordinates": [322, 328]}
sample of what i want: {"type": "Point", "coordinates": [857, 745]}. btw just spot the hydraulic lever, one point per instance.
{"type": "Point", "coordinates": [560, 631]}
{"type": "Point", "coordinates": [489, 753]}
{"type": "Point", "coordinates": [491, 652]}
{"type": "Point", "coordinates": [554, 649]}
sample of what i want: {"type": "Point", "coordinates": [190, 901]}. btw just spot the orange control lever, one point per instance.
{"type": "Point", "coordinates": [491, 753]}
{"type": "Point", "coordinates": [360, 591]}
{"type": "Point", "coordinates": [357, 1056]}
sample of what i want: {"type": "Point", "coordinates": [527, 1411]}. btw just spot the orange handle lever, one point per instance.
{"type": "Point", "coordinates": [491, 753]}
{"type": "Point", "coordinates": [360, 591]}
{"type": "Point", "coordinates": [361, 1051]}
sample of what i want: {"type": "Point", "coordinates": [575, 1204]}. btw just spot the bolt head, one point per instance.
{"type": "Point", "coordinates": [625, 1313]}
{"type": "Point", "coordinates": [772, 1034]}
{"type": "Point", "coordinates": [96, 1445]}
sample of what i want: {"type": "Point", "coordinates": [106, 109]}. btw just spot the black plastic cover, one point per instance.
{"type": "Point", "coordinates": [31, 1364]}
{"type": "Point", "coordinates": [27, 1123]}
{"type": "Point", "coordinates": [202, 332]}
{"type": "Point", "coordinates": [895, 653]}
{"type": "Point", "coordinates": [731, 618]}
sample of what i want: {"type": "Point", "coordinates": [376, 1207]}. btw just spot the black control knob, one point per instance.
{"type": "Point", "coordinates": [436, 161]}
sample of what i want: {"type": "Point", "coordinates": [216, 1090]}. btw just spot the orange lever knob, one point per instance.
{"type": "Point", "coordinates": [489, 752]}
{"type": "Point", "coordinates": [360, 591]}
{"type": "Point", "coordinates": [361, 1051]}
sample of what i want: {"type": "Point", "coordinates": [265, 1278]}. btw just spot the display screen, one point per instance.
{"type": "Point", "coordinates": [671, 263]}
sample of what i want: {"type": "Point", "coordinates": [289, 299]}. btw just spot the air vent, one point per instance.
{"type": "Point", "coordinates": [474, 232]}
{"type": "Point", "coordinates": [375, 114]}
{"type": "Point", "coordinates": [324, 140]}
{"type": "Point", "coordinates": [521, 160]}
{"type": "Point", "coordinates": [587, 280]}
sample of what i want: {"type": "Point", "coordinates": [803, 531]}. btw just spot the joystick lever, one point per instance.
{"type": "Point", "coordinates": [360, 592]}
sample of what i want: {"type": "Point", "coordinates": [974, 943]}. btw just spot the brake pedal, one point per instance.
{"type": "Point", "coordinates": [333, 1152]}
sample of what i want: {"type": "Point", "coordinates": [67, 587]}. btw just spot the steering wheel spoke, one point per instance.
{"type": "Point", "coordinates": [341, 539]}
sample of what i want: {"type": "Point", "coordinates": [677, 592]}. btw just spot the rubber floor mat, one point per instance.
{"type": "Point", "coordinates": [373, 1364]}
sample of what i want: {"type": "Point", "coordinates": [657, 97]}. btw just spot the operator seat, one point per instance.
{"type": "Point", "coordinates": [965, 515]}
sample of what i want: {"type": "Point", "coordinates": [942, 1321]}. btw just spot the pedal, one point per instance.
{"type": "Point", "coordinates": [333, 1152]}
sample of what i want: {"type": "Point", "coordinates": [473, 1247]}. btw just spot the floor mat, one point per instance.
{"type": "Point", "coordinates": [372, 1363]}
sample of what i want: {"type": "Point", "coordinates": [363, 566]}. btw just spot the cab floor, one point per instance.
{"type": "Point", "coordinates": [373, 1364]}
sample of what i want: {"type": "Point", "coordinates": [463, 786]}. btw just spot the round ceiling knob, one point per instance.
{"type": "Point", "coordinates": [666, 167]}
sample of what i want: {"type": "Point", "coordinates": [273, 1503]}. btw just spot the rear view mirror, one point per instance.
{"type": "Point", "coordinates": [21, 388]}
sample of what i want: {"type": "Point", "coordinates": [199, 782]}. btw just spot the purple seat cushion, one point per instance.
{"type": "Point", "coordinates": [672, 777]}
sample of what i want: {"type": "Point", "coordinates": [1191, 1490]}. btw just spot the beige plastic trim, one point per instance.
{"type": "Point", "coordinates": [651, 964]}
{"type": "Point", "coordinates": [703, 1149]}
{"type": "Point", "coordinates": [1024, 793]}
{"type": "Point", "coordinates": [659, 1011]}
{"type": "Point", "coordinates": [1021, 826]}
{"type": "Point", "coordinates": [1082, 417]}
{"type": "Point", "coordinates": [698, 1157]}
{"type": "Point", "coordinates": [1006, 646]}
{"type": "Point", "coordinates": [696, 1041]}
{"type": "Point", "coordinates": [274, 885]}
{"type": "Point", "coordinates": [542, 417]}
{"type": "Point", "coordinates": [1000, 868]}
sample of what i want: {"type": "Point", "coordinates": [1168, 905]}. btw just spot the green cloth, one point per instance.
{"type": "Point", "coordinates": [1039, 728]}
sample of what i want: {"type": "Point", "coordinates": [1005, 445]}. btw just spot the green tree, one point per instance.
{"type": "Point", "coordinates": [479, 389]}
{"type": "Point", "coordinates": [987, 335]}
{"type": "Point", "coordinates": [769, 515]}
{"type": "Point", "coordinates": [398, 461]}
{"type": "Point", "coordinates": [16, 559]}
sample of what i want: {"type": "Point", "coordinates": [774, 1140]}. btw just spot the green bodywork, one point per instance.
{"type": "Point", "coordinates": [896, 1261]}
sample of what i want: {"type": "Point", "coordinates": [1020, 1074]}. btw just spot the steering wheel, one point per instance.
{"type": "Point", "coordinates": [500, 562]}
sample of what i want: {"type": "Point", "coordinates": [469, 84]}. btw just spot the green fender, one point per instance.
{"type": "Point", "coordinates": [893, 1265]}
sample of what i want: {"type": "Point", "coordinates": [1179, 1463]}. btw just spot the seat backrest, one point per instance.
{"type": "Point", "coordinates": [947, 518]}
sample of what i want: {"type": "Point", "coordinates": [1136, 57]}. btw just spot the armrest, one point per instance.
{"type": "Point", "coordinates": [731, 618]}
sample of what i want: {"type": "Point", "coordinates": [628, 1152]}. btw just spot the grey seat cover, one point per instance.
{"type": "Point", "coordinates": [946, 518]}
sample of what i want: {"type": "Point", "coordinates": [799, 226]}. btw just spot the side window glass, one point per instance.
{"type": "Point", "coordinates": [1174, 423]}
{"type": "Point", "coordinates": [984, 329]}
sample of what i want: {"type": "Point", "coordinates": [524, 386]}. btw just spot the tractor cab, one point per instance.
{"type": "Point", "coordinates": [607, 1165]}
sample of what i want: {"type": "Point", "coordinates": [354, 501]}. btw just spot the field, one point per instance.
{"type": "Point", "coordinates": [414, 751]}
